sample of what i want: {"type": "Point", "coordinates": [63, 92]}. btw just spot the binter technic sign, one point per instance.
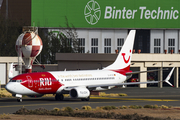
{"type": "Point", "coordinates": [106, 13]}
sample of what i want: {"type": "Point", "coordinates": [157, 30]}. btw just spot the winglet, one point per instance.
{"type": "Point", "coordinates": [168, 77]}
{"type": "Point", "coordinates": [11, 72]}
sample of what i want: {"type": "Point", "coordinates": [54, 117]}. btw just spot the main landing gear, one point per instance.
{"type": "Point", "coordinates": [59, 97]}
{"type": "Point", "coordinates": [85, 99]}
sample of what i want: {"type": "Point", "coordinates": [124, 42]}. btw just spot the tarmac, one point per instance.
{"type": "Point", "coordinates": [136, 96]}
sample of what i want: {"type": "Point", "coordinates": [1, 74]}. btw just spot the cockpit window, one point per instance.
{"type": "Point", "coordinates": [18, 80]}
{"type": "Point", "coordinates": [12, 81]}
{"type": "Point", "coordinates": [15, 81]}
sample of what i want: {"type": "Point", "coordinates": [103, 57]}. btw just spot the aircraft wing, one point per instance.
{"type": "Point", "coordinates": [121, 84]}
{"type": "Point", "coordinates": [107, 85]}
{"type": "Point", "coordinates": [137, 72]}
{"type": "Point", "coordinates": [135, 83]}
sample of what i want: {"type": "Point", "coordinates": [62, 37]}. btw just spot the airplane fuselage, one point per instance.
{"type": "Point", "coordinates": [55, 82]}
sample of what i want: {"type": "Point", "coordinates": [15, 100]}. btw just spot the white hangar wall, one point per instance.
{"type": "Point", "coordinates": [99, 36]}
{"type": "Point", "coordinates": [109, 40]}
{"type": "Point", "coordinates": [164, 40]}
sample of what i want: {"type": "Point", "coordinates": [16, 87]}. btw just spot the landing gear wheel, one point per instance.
{"type": "Point", "coordinates": [59, 97]}
{"type": "Point", "coordinates": [19, 99]}
{"type": "Point", "coordinates": [82, 99]}
{"type": "Point", "coordinates": [85, 99]}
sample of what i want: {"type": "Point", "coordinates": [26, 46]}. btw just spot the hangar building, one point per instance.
{"type": "Point", "coordinates": [102, 25]}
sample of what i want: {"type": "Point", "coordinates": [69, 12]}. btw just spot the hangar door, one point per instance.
{"type": "Point", "coordinates": [171, 41]}
{"type": "Point", "coordinates": [164, 40]}
{"type": "Point", "coordinates": [156, 42]}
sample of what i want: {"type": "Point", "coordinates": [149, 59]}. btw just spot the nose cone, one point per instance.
{"type": "Point", "coordinates": [9, 87]}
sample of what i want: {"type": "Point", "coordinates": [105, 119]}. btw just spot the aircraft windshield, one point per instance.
{"type": "Point", "coordinates": [12, 81]}
{"type": "Point", "coordinates": [15, 80]}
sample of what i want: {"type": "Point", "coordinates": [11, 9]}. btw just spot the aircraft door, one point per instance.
{"type": "Point", "coordinates": [30, 81]}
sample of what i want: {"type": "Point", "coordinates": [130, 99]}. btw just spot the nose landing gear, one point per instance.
{"type": "Point", "coordinates": [19, 97]}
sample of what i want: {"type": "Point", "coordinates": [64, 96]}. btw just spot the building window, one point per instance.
{"type": "Point", "coordinates": [107, 45]}
{"type": "Point", "coordinates": [120, 42]}
{"type": "Point", "coordinates": [94, 49]}
{"type": "Point", "coordinates": [94, 45]}
{"type": "Point", "coordinates": [157, 45]}
{"type": "Point", "coordinates": [69, 41]}
{"type": "Point", "coordinates": [171, 45]}
{"type": "Point", "coordinates": [81, 45]}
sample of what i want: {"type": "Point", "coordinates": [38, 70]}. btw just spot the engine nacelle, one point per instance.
{"type": "Point", "coordinates": [79, 92]}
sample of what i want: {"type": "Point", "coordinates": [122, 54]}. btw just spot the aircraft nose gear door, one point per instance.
{"type": "Point", "coordinates": [30, 81]}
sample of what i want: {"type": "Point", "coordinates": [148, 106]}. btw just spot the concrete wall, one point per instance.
{"type": "Point", "coordinates": [4, 68]}
{"type": "Point", "coordinates": [149, 60]}
{"type": "Point", "coordinates": [48, 67]}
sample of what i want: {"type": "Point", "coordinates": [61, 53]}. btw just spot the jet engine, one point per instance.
{"type": "Point", "coordinates": [79, 92]}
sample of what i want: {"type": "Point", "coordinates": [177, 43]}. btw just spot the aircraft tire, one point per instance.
{"type": "Point", "coordinates": [19, 99]}
{"type": "Point", "coordinates": [82, 99]}
{"type": "Point", "coordinates": [59, 97]}
{"type": "Point", "coordinates": [85, 99]}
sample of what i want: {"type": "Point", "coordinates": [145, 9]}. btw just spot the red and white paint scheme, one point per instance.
{"type": "Point", "coordinates": [80, 83]}
{"type": "Point", "coordinates": [28, 45]}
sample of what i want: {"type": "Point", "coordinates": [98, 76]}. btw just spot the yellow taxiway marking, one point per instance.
{"type": "Point", "coordinates": [110, 98]}
{"type": "Point", "coordinates": [133, 99]}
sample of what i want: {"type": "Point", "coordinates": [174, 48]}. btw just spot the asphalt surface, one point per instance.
{"type": "Point", "coordinates": [136, 96]}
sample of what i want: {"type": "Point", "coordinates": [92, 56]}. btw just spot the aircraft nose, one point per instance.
{"type": "Point", "coordinates": [9, 87]}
